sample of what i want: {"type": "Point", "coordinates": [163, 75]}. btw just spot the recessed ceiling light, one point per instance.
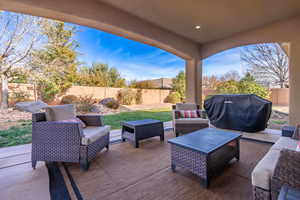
{"type": "Point", "coordinates": [197, 27]}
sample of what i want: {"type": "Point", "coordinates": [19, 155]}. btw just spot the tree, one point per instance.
{"type": "Point", "coordinates": [248, 77]}
{"type": "Point", "coordinates": [231, 75]}
{"type": "Point", "coordinates": [210, 82]}
{"type": "Point", "coordinates": [56, 63]}
{"type": "Point", "coordinates": [267, 63]}
{"type": "Point", "coordinates": [100, 75]}
{"type": "Point", "coordinates": [146, 84]}
{"type": "Point", "coordinates": [178, 84]}
{"type": "Point", "coordinates": [19, 36]}
{"type": "Point", "coordinates": [228, 87]}
{"type": "Point", "coordinates": [19, 75]}
{"type": "Point", "coordinates": [244, 86]}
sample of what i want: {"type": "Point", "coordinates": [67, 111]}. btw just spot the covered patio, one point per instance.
{"type": "Point", "coordinates": [192, 30]}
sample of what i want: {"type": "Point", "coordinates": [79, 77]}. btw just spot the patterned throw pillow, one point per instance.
{"type": "Point", "coordinates": [76, 119]}
{"type": "Point", "coordinates": [188, 114]}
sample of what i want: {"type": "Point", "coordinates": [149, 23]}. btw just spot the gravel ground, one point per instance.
{"type": "Point", "coordinates": [11, 115]}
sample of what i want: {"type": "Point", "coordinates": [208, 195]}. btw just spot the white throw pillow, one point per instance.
{"type": "Point", "coordinates": [60, 112]}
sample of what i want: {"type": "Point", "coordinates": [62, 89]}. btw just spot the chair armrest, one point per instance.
{"type": "Point", "coordinates": [288, 131]}
{"type": "Point", "coordinates": [202, 114]}
{"type": "Point", "coordinates": [51, 132]}
{"type": "Point", "coordinates": [287, 171]}
{"type": "Point", "coordinates": [91, 120]}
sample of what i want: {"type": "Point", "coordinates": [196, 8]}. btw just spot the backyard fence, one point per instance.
{"type": "Point", "coordinates": [279, 96]}
{"type": "Point", "coordinates": [149, 96]}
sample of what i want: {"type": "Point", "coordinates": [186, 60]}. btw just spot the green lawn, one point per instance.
{"type": "Point", "coordinates": [21, 134]}
{"type": "Point", "coordinates": [115, 120]}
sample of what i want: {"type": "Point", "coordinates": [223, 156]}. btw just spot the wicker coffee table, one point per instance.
{"type": "Point", "coordinates": [204, 152]}
{"type": "Point", "coordinates": [134, 131]}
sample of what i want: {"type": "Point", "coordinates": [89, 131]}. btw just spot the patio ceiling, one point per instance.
{"type": "Point", "coordinates": [217, 19]}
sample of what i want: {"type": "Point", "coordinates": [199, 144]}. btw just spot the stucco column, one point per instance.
{"type": "Point", "coordinates": [294, 82]}
{"type": "Point", "coordinates": [193, 70]}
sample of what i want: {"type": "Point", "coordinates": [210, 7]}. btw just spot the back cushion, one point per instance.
{"type": "Point", "coordinates": [60, 112]}
{"type": "Point", "coordinates": [186, 106]}
{"type": "Point", "coordinates": [188, 114]}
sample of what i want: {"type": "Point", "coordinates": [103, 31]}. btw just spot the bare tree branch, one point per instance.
{"type": "Point", "coordinates": [267, 63]}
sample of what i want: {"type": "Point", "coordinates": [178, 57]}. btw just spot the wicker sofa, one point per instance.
{"type": "Point", "coordinates": [281, 165]}
{"type": "Point", "coordinates": [57, 141]}
{"type": "Point", "coordinates": [187, 125]}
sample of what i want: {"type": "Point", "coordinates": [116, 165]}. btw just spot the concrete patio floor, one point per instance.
{"type": "Point", "coordinates": [17, 178]}
{"type": "Point", "coordinates": [19, 181]}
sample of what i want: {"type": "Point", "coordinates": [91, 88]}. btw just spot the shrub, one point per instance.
{"type": "Point", "coordinates": [85, 103]}
{"type": "Point", "coordinates": [242, 87]}
{"type": "Point", "coordinates": [139, 96]}
{"type": "Point", "coordinates": [251, 87]}
{"type": "Point", "coordinates": [173, 97]}
{"type": "Point", "coordinates": [18, 96]}
{"type": "Point", "coordinates": [126, 96]}
{"type": "Point", "coordinates": [48, 90]}
{"type": "Point", "coordinates": [69, 99]}
{"type": "Point", "coordinates": [110, 103]}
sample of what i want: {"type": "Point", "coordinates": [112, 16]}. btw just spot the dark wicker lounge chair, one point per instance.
{"type": "Point", "coordinates": [187, 125]}
{"type": "Point", "coordinates": [55, 141]}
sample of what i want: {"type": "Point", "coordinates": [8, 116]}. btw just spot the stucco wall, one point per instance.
{"type": "Point", "coordinates": [279, 96]}
{"type": "Point", "coordinates": [149, 96]}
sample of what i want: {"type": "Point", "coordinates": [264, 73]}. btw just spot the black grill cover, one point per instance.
{"type": "Point", "coordinates": [248, 113]}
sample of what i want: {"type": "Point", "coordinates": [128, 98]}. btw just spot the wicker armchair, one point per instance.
{"type": "Point", "coordinates": [186, 125]}
{"type": "Point", "coordinates": [55, 141]}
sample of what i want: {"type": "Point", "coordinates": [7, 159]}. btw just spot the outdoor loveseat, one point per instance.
{"type": "Point", "coordinates": [280, 166]}
{"type": "Point", "coordinates": [183, 125]}
{"type": "Point", "coordinates": [57, 137]}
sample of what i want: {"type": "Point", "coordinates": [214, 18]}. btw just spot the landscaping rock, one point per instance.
{"type": "Point", "coordinates": [110, 103]}
{"type": "Point", "coordinates": [95, 108]}
{"type": "Point", "coordinates": [31, 106]}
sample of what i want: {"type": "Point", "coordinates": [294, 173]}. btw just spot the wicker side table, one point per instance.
{"type": "Point", "coordinates": [134, 131]}
{"type": "Point", "coordinates": [204, 152]}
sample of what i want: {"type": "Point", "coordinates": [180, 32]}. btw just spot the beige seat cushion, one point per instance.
{"type": "Point", "coordinates": [93, 133]}
{"type": "Point", "coordinates": [191, 121]}
{"type": "Point", "coordinates": [285, 142]}
{"type": "Point", "coordinates": [60, 112]}
{"type": "Point", "coordinates": [186, 106]}
{"type": "Point", "coordinates": [263, 171]}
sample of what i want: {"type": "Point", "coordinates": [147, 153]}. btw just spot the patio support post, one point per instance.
{"type": "Point", "coordinates": [193, 70]}
{"type": "Point", "coordinates": [294, 82]}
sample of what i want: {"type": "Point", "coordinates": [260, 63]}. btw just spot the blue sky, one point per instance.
{"type": "Point", "coordinates": [138, 61]}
